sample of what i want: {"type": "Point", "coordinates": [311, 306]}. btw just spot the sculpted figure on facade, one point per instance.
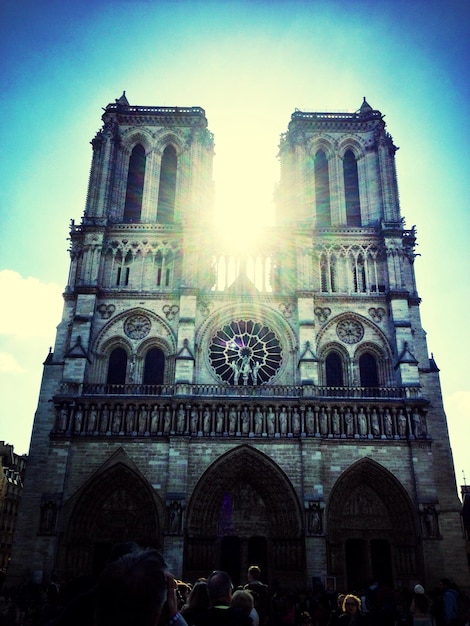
{"type": "Point", "coordinates": [314, 518]}
{"type": "Point", "coordinates": [180, 419]}
{"type": "Point", "coordinates": [174, 517]}
{"type": "Point", "coordinates": [336, 422]}
{"type": "Point", "coordinates": [220, 421]}
{"type": "Point", "coordinates": [245, 421]}
{"type": "Point", "coordinates": [78, 419]}
{"type": "Point", "coordinates": [283, 421]}
{"type": "Point", "coordinates": [117, 419]}
{"type": "Point", "coordinates": [154, 420]}
{"type": "Point", "coordinates": [206, 420]}
{"type": "Point", "coordinates": [193, 419]}
{"type": "Point", "coordinates": [130, 419]}
{"type": "Point", "coordinates": [295, 421]}
{"type": "Point", "coordinates": [92, 419]}
{"type": "Point", "coordinates": [232, 418]}
{"type": "Point", "coordinates": [374, 422]}
{"type": "Point", "coordinates": [362, 422]}
{"type": "Point", "coordinates": [271, 421]}
{"type": "Point", "coordinates": [349, 422]}
{"type": "Point", "coordinates": [388, 423]}
{"type": "Point", "coordinates": [62, 419]}
{"type": "Point", "coordinates": [323, 422]}
{"type": "Point", "coordinates": [167, 420]}
{"type": "Point", "coordinates": [143, 419]}
{"type": "Point", "coordinates": [401, 423]}
{"type": "Point", "coordinates": [104, 420]}
{"type": "Point", "coordinates": [310, 421]}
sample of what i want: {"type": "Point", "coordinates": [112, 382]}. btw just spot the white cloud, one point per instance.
{"type": "Point", "coordinates": [30, 308]}
{"type": "Point", "coordinates": [9, 365]}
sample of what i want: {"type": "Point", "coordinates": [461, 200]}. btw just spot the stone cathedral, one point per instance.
{"type": "Point", "coordinates": [276, 405]}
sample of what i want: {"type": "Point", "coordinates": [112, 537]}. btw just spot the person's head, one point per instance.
{"type": "Point", "coordinates": [219, 587]}
{"type": "Point", "coordinates": [351, 604]}
{"type": "Point", "coordinates": [340, 600]}
{"type": "Point", "coordinates": [198, 597]}
{"type": "Point", "coordinates": [254, 573]}
{"type": "Point", "coordinates": [242, 600]}
{"type": "Point", "coordinates": [132, 590]}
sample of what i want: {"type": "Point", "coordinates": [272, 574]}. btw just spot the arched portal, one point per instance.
{"type": "Point", "coordinates": [243, 511]}
{"type": "Point", "coordinates": [116, 505]}
{"type": "Point", "coordinates": [371, 528]}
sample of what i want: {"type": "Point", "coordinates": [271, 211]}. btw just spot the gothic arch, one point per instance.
{"type": "Point", "coordinates": [353, 144]}
{"type": "Point", "coordinates": [324, 143]}
{"type": "Point", "coordinates": [328, 349]}
{"type": "Point", "coordinates": [241, 495]}
{"type": "Point", "coordinates": [368, 508]}
{"type": "Point", "coordinates": [115, 505]}
{"type": "Point", "coordinates": [131, 137]}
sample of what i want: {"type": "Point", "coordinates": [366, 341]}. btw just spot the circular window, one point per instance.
{"type": "Point", "coordinates": [245, 352]}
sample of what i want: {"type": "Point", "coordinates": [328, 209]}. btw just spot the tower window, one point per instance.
{"type": "Point", "coordinates": [167, 188]}
{"type": "Point", "coordinates": [368, 370]}
{"type": "Point", "coordinates": [351, 190]}
{"type": "Point", "coordinates": [135, 185]}
{"type": "Point", "coordinates": [117, 367]}
{"type": "Point", "coordinates": [154, 367]}
{"type": "Point", "coordinates": [334, 370]}
{"type": "Point", "coordinates": [322, 190]}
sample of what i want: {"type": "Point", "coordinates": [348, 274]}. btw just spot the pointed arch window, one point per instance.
{"type": "Point", "coordinates": [117, 367]}
{"type": "Point", "coordinates": [351, 189]}
{"type": "Point", "coordinates": [322, 190]}
{"type": "Point", "coordinates": [167, 187]}
{"type": "Point", "coordinates": [135, 185]}
{"type": "Point", "coordinates": [334, 370]}
{"type": "Point", "coordinates": [154, 367]}
{"type": "Point", "coordinates": [368, 370]}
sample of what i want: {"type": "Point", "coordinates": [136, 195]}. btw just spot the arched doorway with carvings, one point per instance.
{"type": "Point", "coordinates": [244, 511]}
{"type": "Point", "coordinates": [371, 528]}
{"type": "Point", "coordinates": [116, 505]}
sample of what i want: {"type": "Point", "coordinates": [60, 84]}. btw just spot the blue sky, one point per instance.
{"type": "Point", "coordinates": [249, 65]}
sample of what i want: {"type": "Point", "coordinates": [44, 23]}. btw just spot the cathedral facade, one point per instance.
{"type": "Point", "coordinates": [275, 405]}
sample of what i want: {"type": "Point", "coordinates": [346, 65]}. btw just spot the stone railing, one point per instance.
{"type": "Point", "coordinates": [239, 391]}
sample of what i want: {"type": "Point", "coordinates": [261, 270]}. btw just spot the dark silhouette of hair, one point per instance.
{"type": "Point", "coordinates": [131, 590]}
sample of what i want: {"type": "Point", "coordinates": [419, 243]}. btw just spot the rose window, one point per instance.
{"type": "Point", "coordinates": [245, 352]}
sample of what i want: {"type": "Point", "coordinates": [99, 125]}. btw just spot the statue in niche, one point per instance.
{"type": "Point", "coordinates": [92, 419]}
{"type": "Point", "coordinates": [258, 421]}
{"type": "Point", "coordinates": [206, 420]}
{"type": "Point", "coordinates": [430, 521]}
{"type": "Point", "coordinates": [104, 419]}
{"type": "Point", "coordinates": [130, 419]}
{"type": "Point", "coordinates": [167, 421]}
{"type": "Point", "coordinates": [314, 521]}
{"type": "Point", "coordinates": [62, 418]}
{"type": "Point", "coordinates": [417, 426]}
{"type": "Point", "coordinates": [323, 422]}
{"type": "Point", "coordinates": [310, 421]}
{"type": "Point", "coordinates": [283, 421]}
{"type": "Point", "coordinates": [154, 419]}
{"type": "Point", "coordinates": [48, 518]}
{"type": "Point", "coordinates": [271, 421]}
{"type": "Point", "coordinates": [232, 418]}
{"type": "Point", "coordinates": [336, 423]}
{"type": "Point", "coordinates": [78, 419]}
{"type": "Point", "coordinates": [245, 421]}
{"type": "Point", "coordinates": [117, 419]}
{"type": "Point", "coordinates": [180, 419]}
{"type": "Point", "coordinates": [143, 417]}
{"type": "Point", "coordinates": [401, 424]}
{"type": "Point", "coordinates": [387, 423]}
{"type": "Point", "coordinates": [174, 517]}
{"type": "Point", "coordinates": [219, 422]}
{"type": "Point", "coordinates": [295, 422]}
{"type": "Point", "coordinates": [362, 421]}
{"type": "Point", "coordinates": [349, 421]}
{"type": "Point", "coordinates": [374, 420]}
{"type": "Point", "coordinates": [194, 420]}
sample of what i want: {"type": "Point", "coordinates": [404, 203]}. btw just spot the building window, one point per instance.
{"type": "Point", "coordinates": [154, 367]}
{"type": "Point", "coordinates": [351, 190]}
{"type": "Point", "coordinates": [135, 185]}
{"type": "Point", "coordinates": [117, 367]}
{"type": "Point", "coordinates": [334, 370]}
{"type": "Point", "coordinates": [322, 190]}
{"type": "Point", "coordinates": [368, 370]}
{"type": "Point", "coordinates": [167, 188]}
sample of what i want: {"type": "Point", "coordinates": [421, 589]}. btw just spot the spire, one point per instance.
{"type": "Point", "coordinates": [365, 108]}
{"type": "Point", "coordinates": [122, 101]}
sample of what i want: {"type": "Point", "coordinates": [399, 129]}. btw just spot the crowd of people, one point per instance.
{"type": "Point", "coordinates": [136, 589]}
